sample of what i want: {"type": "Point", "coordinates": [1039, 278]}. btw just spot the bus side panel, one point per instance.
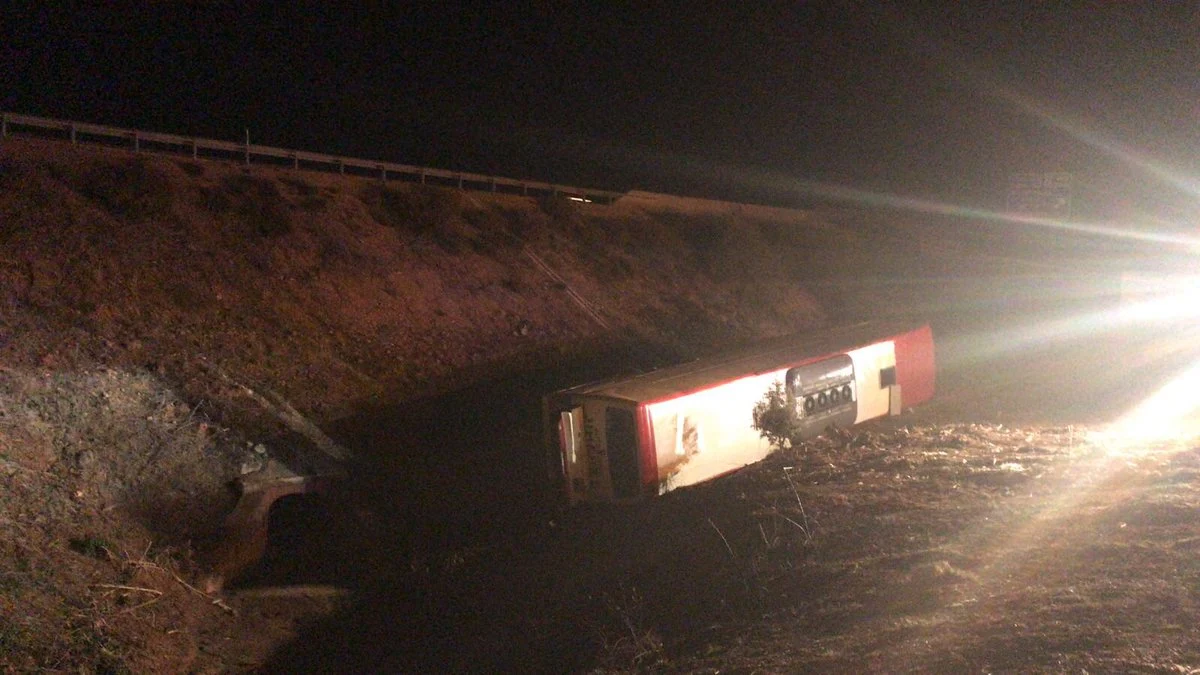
{"type": "Point", "coordinates": [874, 392]}
{"type": "Point", "coordinates": [708, 433]}
{"type": "Point", "coordinates": [597, 478]}
{"type": "Point", "coordinates": [916, 370]}
{"type": "Point", "coordinates": [623, 451]}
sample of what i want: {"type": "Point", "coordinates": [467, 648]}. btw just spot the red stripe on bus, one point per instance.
{"type": "Point", "coordinates": [649, 453]}
{"type": "Point", "coordinates": [916, 372]}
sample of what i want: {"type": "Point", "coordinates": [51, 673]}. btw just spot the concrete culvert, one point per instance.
{"type": "Point", "coordinates": [263, 537]}
{"type": "Point", "coordinates": [298, 526]}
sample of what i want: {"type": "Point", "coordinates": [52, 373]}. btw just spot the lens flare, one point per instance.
{"type": "Point", "coordinates": [1172, 413]}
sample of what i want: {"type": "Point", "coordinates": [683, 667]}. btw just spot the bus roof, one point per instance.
{"type": "Point", "coordinates": [755, 359]}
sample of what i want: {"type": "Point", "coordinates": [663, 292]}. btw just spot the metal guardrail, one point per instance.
{"type": "Point", "coordinates": [203, 147]}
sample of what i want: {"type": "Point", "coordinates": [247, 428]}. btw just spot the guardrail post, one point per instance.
{"type": "Point", "coordinates": [341, 167]}
{"type": "Point", "coordinates": [295, 162]}
{"type": "Point", "coordinates": [137, 147]}
{"type": "Point", "coordinates": [383, 174]}
{"type": "Point", "coordinates": [524, 189]}
{"type": "Point", "coordinates": [422, 178]}
{"type": "Point", "coordinates": [460, 181]}
{"type": "Point", "coordinates": [247, 146]}
{"type": "Point", "coordinates": [72, 133]}
{"type": "Point", "coordinates": [195, 150]}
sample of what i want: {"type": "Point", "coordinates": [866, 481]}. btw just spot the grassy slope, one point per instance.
{"type": "Point", "coordinates": [128, 283]}
{"type": "Point", "coordinates": [334, 290]}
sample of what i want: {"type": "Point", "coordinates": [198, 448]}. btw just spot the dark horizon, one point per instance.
{"type": "Point", "coordinates": [764, 103]}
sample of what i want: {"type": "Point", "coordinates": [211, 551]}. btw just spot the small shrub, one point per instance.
{"type": "Point", "coordinates": [313, 204]}
{"type": "Point", "coordinates": [310, 196]}
{"type": "Point", "coordinates": [191, 168]}
{"type": "Point", "coordinates": [775, 416]}
{"type": "Point", "coordinates": [419, 210]}
{"type": "Point", "coordinates": [301, 187]}
{"type": "Point", "coordinates": [454, 240]}
{"type": "Point", "coordinates": [524, 224]}
{"type": "Point", "coordinates": [187, 297]}
{"type": "Point", "coordinates": [492, 229]}
{"type": "Point", "coordinates": [483, 219]}
{"type": "Point", "coordinates": [259, 204]}
{"type": "Point", "coordinates": [133, 191]}
{"type": "Point", "coordinates": [93, 547]}
{"type": "Point", "coordinates": [15, 639]}
{"type": "Point", "coordinates": [615, 266]}
{"type": "Point", "coordinates": [431, 213]}
{"type": "Point", "coordinates": [335, 250]}
{"type": "Point", "coordinates": [628, 645]}
{"type": "Point", "coordinates": [215, 200]}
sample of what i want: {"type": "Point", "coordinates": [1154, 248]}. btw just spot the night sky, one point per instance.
{"type": "Point", "coordinates": [758, 101]}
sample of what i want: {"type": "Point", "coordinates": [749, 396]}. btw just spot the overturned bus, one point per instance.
{"type": "Point", "coordinates": [631, 437]}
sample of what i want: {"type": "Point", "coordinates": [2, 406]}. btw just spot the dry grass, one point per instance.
{"type": "Point", "coordinates": [120, 440]}
{"type": "Point", "coordinates": [258, 203]}
{"type": "Point", "coordinates": [896, 548]}
{"type": "Point", "coordinates": [95, 466]}
{"type": "Point", "coordinates": [424, 214]}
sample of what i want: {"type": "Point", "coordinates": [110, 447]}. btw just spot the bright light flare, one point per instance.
{"type": "Point", "coordinates": [1169, 414]}
{"type": "Point", "coordinates": [1170, 305]}
{"type": "Point", "coordinates": [1152, 298]}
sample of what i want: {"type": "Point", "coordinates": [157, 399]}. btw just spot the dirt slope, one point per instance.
{"type": "Point", "coordinates": [143, 297]}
